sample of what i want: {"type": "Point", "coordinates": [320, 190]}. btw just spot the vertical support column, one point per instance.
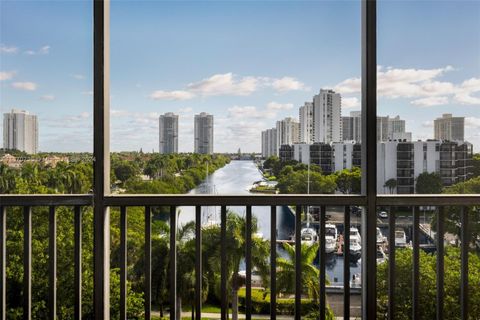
{"type": "Point", "coordinates": [173, 263]}
{"type": "Point", "coordinates": [273, 262]}
{"type": "Point", "coordinates": [3, 263]}
{"type": "Point", "coordinates": [198, 263]}
{"type": "Point", "coordinates": [464, 264]}
{"type": "Point", "coordinates": [440, 262]}
{"type": "Point", "coordinates": [52, 261]}
{"type": "Point", "coordinates": [391, 264]}
{"type": "Point", "coordinates": [248, 263]}
{"type": "Point", "coordinates": [369, 156]}
{"type": "Point", "coordinates": [27, 263]}
{"type": "Point", "coordinates": [298, 263]}
{"type": "Point", "coordinates": [223, 262]}
{"type": "Point", "coordinates": [416, 264]}
{"type": "Point", "coordinates": [346, 263]}
{"type": "Point", "coordinates": [123, 263]}
{"type": "Point", "coordinates": [322, 256]}
{"type": "Point", "coordinates": [78, 263]}
{"type": "Point", "coordinates": [148, 263]}
{"type": "Point", "coordinates": [101, 152]}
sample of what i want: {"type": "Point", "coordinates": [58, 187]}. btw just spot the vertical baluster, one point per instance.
{"type": "Point", "coordinates": [298, 263]}
{"type": "Point", "coordinates": [273, 262]}
{"type": "Point", "coordinates": [148, 263]}
{"type": "Point", "coordinates": [416, 264]}
{"type": "Point", "coordinates": [248, 262]}
{"type": "Point", "coordinates": [52, 260]}
{"type": "Point", "coordinates": [198, 263]}
{"type": "Point", "coordinates": [123, 263]}
{"type": "Point", "coordinates": [223, 258]}
{"type": "Point", "coordinates": [27, 263]}
{"type": "Point", "coordinates": [3, 262]}
{"type": "Point", "coordinates": [322, 261]}
{"type": "Point", "coordinates": [78, 263]}
{"type": "Point", "coordinates": [464, 264]}
{"type": "Point", "coordinates": [173, 263]}
{"type": "Point", "coordinates": [391, 264]}
{"type": "Point", "coordinates": [346, 263]}
{"type": "Point", "coordinates": [440, 262]}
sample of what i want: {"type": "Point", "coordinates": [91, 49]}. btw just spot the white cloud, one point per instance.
{"type": "Point", "coordinates": [78, 76]}
{"type": "Point", "coordinates": [29, 86]}
{"type": "Point", "coordinates": [472, 122]}
{"type": "Point", "coordinates": [8, 49]}
{"type": "Point", "coordinates": [42, 51]}
{"type": "Point", "coordinates": [225, 84]}
{"type": "Point", "coordinates": [351, 102]}
{"type": "Point", "coordinates": [430, 101]}
{"type": "Point", "coordinates": [279, 106]}
{"type": "Point", "coordinates": [6, 75]}
{"type": "Point", "coordinates": [422, 85]}
{"type": "Point", "coordinates": [427, 124]}
{"type": "Point", "coordinates": [287, 84]}
{"type": "Point", "coordinates": [171, 95]}
{"type": "Point", "coordinates": [48, 97]}
{"type": "Point", "coordinates": [87, 93]}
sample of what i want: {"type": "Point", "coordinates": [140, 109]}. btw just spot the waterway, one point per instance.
{"type": "Point", "coordinates": [236, 178]}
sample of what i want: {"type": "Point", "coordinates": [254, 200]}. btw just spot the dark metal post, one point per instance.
{"type": "Point", "coordinates": [273, 262]}
{"type": "Point", "coordinates": [123, 263]}
{"type": "Point", "coordinates": [173, 262]}
{"type": "Point", "coordinates": [248, 263]}
{"type": "Point", "coordinates": [3, 263]}
{"type": "Point", "coordinates": [148, 263]}
{"type": "Point", "coordinates": [78, 263]}
{"type": "Point", "coordinates": [52, 261]}
{"type": "Point", "coordinates": [223, 261]}
{"type": "Point", "coordinates": [298, 263]}
{"type": "Point", "coordinates": [346, 263]}
{"type": "Point", "coordinates": [391, 264]}
{"type": "Point", "coordinates": [416, 264]}
{"type": "Point", "coordinates": [198, 263]}
{"type": "Point", "coordinates": [27, 263]}
{"type": "Point", "coordinates": [440, 262]}
{"type": "Point", "coordinates": [464, 264]}
{"type": "Point", "coordinates": [322, 261]}
{"type": "Point", "coordinates": [101, 142]}
{"type": "Point", "coordinates": [369, 156]}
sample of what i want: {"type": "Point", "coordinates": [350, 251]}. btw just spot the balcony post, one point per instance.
{"type": "Point", "coordinates": [369, 156]}
{"type": "Point", "coordinates": [101, 152]}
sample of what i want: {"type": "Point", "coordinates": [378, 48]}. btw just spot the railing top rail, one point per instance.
{"type": "Point", "coordinates": [240, 200]}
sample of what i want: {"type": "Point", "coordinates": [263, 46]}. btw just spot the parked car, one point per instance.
{"type": "Point", "coordinates": [383, 214]}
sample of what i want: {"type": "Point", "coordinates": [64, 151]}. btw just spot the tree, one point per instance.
{"type": "Point", "coordinates": [125, 170]}
{"type": "Point", "coordinates": [476, 165]}
{"type": "Point", "coordinates": [349, 181]}
{"type": "Point", "coordinates": [296, 182]}
{"type": "Point", "coordinates": [391, 184]}
{"type": "Point", "coordinates": [428, 183]}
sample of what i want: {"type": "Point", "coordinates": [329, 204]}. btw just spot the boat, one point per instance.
{"type": "Point", "coordinates": [355, 244]}
{"type": "Point", "coordinates": [380, 237]}
{"type": "Point", "coordinates": [381, 256]}
{"type": "Point", "coordinates": [400, 238]}
{"type": "Point", "coordinates": [330, 238]}
{"type": "Point", "coordinates": [308, 236]}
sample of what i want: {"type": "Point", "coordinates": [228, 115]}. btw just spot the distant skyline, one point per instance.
{"type": "Point", "coordinates": [248, 63]}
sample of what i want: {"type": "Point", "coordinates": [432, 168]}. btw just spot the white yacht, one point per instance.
{"type": "Point", "coordinates": [400, 238]}
{"type": "Point", "coordinates": [309, 235]}
{"type": "Point", "coordinates": [330, 238]}
{"type": "Point", "coordinates": [355, 244]}
{"type": "Point", "coordinates": [380, 237]}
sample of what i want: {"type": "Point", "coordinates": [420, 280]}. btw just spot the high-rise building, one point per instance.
{"type": "Point", "coordinates": [203, 133]}
{"type": "Point", "coordinates": [352, 127]}
{"type": "Point", "coordinates": [327, 113]}
{"type": "Point", "coordinates": [288, 132]}
{"type": "Point", "coordinates": [269, 142]}
{"type": "Point", "coordinates": [306, 123]}
{"type": "Point", "coordinates": [387, 128]}
{"type": "Point", "coordinates": [168, 133]}
{"type": "Point", "coordinates": [449, 128]}
{"type": "Point", "coordinates": [20, 131]}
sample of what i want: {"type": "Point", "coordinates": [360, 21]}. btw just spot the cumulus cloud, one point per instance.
{"type": "Point", "coordinates": [279, 106]}
{"type": "Point", "coordinates": [430, 101]}
{"type": "Point", "coordinates": [8, 49]}
{"type": "Point", "coordinates": [472, 122]}
{"type": "Point", "coordinates": [352, 102]}
{"type": "Point", "coordinates": [421, 85]}
{"type": "Point", "coordinates": [287, 84]}
{"type": "Point", "coordinates": [171, 95]}
{"type": "Point", "coordinates": [48, 97]}
{"type": "Point", "coordinates": [28, 86]}
{"type": "Point", "coordinates": [42, 51]}
{"type": "Point", "coordinates": [78, 76]}
{"type": "Point", "coordinates": [229, 84]}
{"type": "Point", "coordinates": [6, 75]}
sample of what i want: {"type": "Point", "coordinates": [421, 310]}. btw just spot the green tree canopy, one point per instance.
{"type": "Point", "coordinates": [429, 183]}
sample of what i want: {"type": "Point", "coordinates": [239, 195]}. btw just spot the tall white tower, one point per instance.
{"type": "Point", "coordinates": [20, 131]}
{"type": "Point", "coordinates": [203, 133]}
{"type": "Point", "coordinates": [327, 116]}
{"type": "Point", "coordinates": [168, 133]}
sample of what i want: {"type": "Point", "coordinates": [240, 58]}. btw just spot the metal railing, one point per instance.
{"type": "Point", "coordinates": [27, 202]}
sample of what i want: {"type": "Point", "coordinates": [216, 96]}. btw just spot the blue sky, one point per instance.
{"type": "Point", "coordinates": [247, 62]}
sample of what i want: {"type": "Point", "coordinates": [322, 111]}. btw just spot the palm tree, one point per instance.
{"type": "Point", "coordinates": [7, 179]}
{"type": "Point", "coordinates": [391, 184]}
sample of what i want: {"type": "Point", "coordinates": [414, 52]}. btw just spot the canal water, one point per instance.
{"type": "Point", "coordinates": [236, 178]}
